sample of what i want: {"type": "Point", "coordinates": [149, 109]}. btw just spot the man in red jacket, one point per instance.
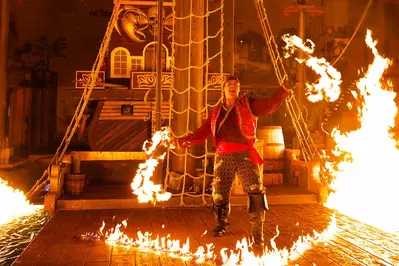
{"type": "Point", "coordinates": [232, 124]}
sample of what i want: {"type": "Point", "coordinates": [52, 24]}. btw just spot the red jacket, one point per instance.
{"type": "Point", "coordinates": [248, 111]}
{"type": "Point", "coordinates": [247, 121]}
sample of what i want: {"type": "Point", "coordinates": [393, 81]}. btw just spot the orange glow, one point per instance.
{"type": "Point", "coordinates": [242, 255]}
{"type": "Point", "coordinates": [365, 181]}
{"type": "Point", "coordinates": [142, 185]}
{"type": "Point", "coordinates": [14, 203]}
{"type": "Point", "coordinates": [328, 85]}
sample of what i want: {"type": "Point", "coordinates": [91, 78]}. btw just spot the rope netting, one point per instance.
{"type": "Point", "coordinates": [307, 145]}
{"type": "Point", "coordinates": [185, 93]}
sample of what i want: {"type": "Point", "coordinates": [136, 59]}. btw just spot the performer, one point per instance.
{"type": "Point", "coordinates": [232, 124]}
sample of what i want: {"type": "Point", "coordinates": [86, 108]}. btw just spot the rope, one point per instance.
{"type": "Point", "coordinates": [61, 150]}
{"type": "Point", "coordinates": [190, 111]}
{"type": "Point", "coordinates": [199, 42]}
{"type": "Point", "coordinates": [355, 32]}
{"type": "Point", "coordinates": [308, 147]}
{"type": "Point", "coordinates": [353, 35]}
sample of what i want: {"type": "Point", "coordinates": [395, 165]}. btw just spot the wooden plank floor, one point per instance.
{"type": "Point", "coordinates": [354, 244]}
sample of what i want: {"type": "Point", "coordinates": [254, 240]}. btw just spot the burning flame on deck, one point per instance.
{"type": "Point", "coordinates": [242, 255]}
{"type": "Point", "coordinates": [328, 85]}
{"type": "Point", "coordinates": [14, 203]}
{"type": "Point", "coordinates": [142, 186]}
{"type": "Point", "coordinates": [367, 155]}
{"type": "Point", "coordinates": [364, 158]}
{"type": "Point", "coordinates": [365, 181]}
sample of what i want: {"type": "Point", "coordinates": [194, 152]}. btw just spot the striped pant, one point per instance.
{"type": "Point", "coordinates": [226, 167]}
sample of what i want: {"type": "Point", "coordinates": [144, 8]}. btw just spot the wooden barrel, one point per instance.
{"type": "Point", "coordinates": [74, 183]}
{"type": "Point", "coordinates": [273, 138]}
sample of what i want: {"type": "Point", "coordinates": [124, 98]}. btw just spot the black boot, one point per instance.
{"type": "Point", "coordinates": [222, 212]}
{"type": "Point", "coordinates": [257, 219]}
{"type": "Point", "coordinates": [257, 206]}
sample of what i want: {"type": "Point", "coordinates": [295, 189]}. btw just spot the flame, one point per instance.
{"type": "Point", "coordinates": [365, 179]}
{"type": "Point", "coordinates": [294, 42]}
{"type": "Point", "coordinates": [242, 255]}
{"type": "Point", "coordinates": [275, 256]}
{"type": "Point", "coordinates": [141, 185]}
{"type": "Point", "coordinates": [328, 85]}
{"type": "Point", "coordinates": [148, 243]}
{"type": "Point", "coordinates": [14, 204]}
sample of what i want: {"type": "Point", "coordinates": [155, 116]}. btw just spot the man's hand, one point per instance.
{"type": "Point", "coordinates": [288, 91]}
{"type": "Point", "coordinates": [184, 144]}
{"type": "Point", "coordinates": [174, 142]}
{"type": "Point", "coordinates": [180, 143]}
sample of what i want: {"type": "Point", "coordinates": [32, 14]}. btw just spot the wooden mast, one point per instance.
{"type": "Point", "coordinates": [4, 24]}
{"type": "Point", "coordinates": [197, 73]}
{"type": "Point", "coordinates": [183, 59]}
{"type": "Point", "coordinates": [158, 90]}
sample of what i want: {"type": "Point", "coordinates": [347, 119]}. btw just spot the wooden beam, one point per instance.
{"type": "Point", "coordinates": [108, 155]}
{"type": "Point", "coordinates": [174, 202]}
{"type": "Point", "coordinates": [4, 25]}
{"type": "Point", "coordinates": [78, 156]}
{"type": "Point", "coordinates": [141, 3]}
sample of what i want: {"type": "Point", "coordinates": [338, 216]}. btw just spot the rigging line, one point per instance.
{"type": "Point", "coordinates": [199, 16]}
{"type": "Point", "coordinates": [86, 5]}
{"type": "Point", "coordinates": [197, 67]}
{"type": "Point", "coordinates": [356, 30]}
{"type": "Point", "coordinates": [210, 87]}
{"type": "Point", "coordinates": [199, 42]}
{"type": "Point", "coordinates": [79, 111]}
{"type": "Point", "coordinates": [353, 35]}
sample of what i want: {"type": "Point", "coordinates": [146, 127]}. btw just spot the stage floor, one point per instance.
{"type": "Point", "coordinates": [353, 244]}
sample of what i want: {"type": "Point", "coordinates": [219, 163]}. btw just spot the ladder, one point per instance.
{"type": "Point", "coordinates": [308, 147]}
{"type": "Point", "coordinates": [61, 150]}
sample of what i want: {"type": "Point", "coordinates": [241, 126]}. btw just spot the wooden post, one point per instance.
{"type": "Point", "coordinates": [158, 90]}
{"type": "Point", "coordinates": [301, 10]}
{"type": "Point", "coordinates": [56, 176]}
{"type": "Point", "coordinates": [233, 38]}
{"type": "Point", "coordinates": [181, 57]}
{"type": "Point", "coordinates": [300, 72]}
{"type": "Point", "coordinates": [50, 200]}
{"type": "Point", "coordinates": [197, 75]}
{"type": "Point", "coordinates": [4, 25]}
{"type": "Point", "coordinates": [229, 36]}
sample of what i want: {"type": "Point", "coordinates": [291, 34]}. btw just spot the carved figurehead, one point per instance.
{"type": "Point", "coordinates": [134, 22]}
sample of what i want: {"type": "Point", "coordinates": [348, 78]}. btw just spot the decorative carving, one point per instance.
{"type": "Point", "coordinates": [148, 79]}
{"type": "Point", "coordinates": [216, 80]}
{"type": "Point", "coordinates": [133, 21]}
{"type": "Point", "coordinates": [83, 77]}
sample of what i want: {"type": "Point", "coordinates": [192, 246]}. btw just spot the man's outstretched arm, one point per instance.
{"type": "Point", "coordinates": [197, 137]}
{"type": "Point", "coordinates": [265, 106]}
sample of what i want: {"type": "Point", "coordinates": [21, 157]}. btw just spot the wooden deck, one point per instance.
{"type": "Point", "coordinates": [354, 244]}
{"type": "Point", "coordinates": [119, 196]}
